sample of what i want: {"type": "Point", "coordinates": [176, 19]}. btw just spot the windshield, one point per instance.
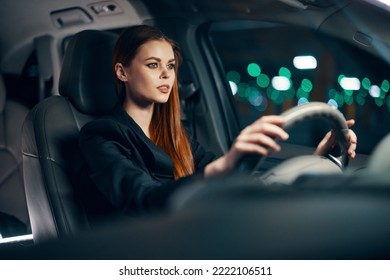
{"type": "Point", "coordinates": [271, 68]}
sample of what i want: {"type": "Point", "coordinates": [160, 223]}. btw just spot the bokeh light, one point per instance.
{"type": "Point", "coordinates": [385, 86]}
{"type": "Point", "coordinates": [263, 80]}
{"type": "Point", "coordinates": [306, 85]}
{"type": "Point", "coordinates": [350, 83]}
{"type": "Point", "coordinates": [253, 69]}
{"type": "Point", "coordinates": [305, 62]}
{"type": "Point", "coordinates": [302, 101]}
{"type": "Point", "coordinates": [333, 103]}
{"type": "Point", "coordinates": [233, 76]}
{"type": "Point", "coordinates": [366, 83]}
{"type": "Point", "coordinates": [375, 91]}
{"type": "Point", "coordinates": [233, 87]}
{"type": "Point", "coordinates": [285, 72]}
{"type": "Point", "coordinates": [281, 83]}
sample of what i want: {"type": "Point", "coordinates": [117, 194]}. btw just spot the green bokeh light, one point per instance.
{"type": "Point", "coordinates": [339, 99]}
{"type": "Point", "coordinates": [306, 85]}
{"type": "Point", "coordinates": [385, 86]}
{"type": "Point", "coordinates": [366, 83]}
{"type": "Point", "coordinates": [363, 93]}
{"type": "Point", "coordinates": [254, 69]}
{"type": "Point", "coordinates": [253, 93]}
{"type": "Point", "coordinates": [242, 92]}
{"type": "Point", "coordinates": [348, 99]}
{"type": "Point", "coordinates": [332, 93]}
{"type": "Point", "coordinates": [340, 78]}
{"type": "Point", "coordinates": [382, 94]}
{"type": "Point", "coordinates": [263, 80]}
{"type": "Point", "coordinates": [277, 97]}
{"type": "Point", "coordinates": [285, 72]}
{"type": "Point", "coordinates": [301, 93]}
{"type": "Point", "coordinates": [269, 92]}
{"type": "Point", "coordinates": [290, 93]}
{"type": "Point", "coordinates": [233, 76]}
{"type": "Point", "coordinates": [379, 102]}
{"type": "Point", "coordinates": [348, 92]}
{"type": "Point", "coordinates": [360, 99]}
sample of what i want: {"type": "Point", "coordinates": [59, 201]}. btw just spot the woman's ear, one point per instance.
{"type": "Point", "coordinates": [120, 72]}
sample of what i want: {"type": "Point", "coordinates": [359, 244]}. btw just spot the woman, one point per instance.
{"type": "Point", "coordinates": [141, 153]}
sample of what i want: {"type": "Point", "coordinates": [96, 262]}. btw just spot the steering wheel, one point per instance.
{"type": "Point", "coordinates": [290, 169]}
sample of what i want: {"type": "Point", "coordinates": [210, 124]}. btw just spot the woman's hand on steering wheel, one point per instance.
{"type": "Point", "coordinates": [260, 138]}
{"type": "Point", "coordinates": [329, 142]}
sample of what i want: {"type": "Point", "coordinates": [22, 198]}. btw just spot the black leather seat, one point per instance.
{"type": "Point", "coordinates": [14, 218]}
{"type": "Point", "coordinates": [52, 162]}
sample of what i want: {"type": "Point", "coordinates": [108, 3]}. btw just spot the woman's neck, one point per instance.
{"type": "Point", "coordinates": [142, 116]}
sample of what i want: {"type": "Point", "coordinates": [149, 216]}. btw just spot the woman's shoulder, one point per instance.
{"type": "Point", "coordinates": [106, 123]}
{"type": "Point", "coordinates": [106, 128]}
{"type": "Point", "coordinates": [109, 128]}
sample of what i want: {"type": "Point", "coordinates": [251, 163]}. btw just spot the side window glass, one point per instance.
{"type": "Point", "coordinates": [272, 68]}
{"type": "Point", "coordinates": [24, 88]}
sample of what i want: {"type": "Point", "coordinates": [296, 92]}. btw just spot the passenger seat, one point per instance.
{"type": "Point", "coordinates": [14, 218]}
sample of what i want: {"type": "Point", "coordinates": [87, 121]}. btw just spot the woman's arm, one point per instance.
{"type": "Point", "coordinates": [259, 138]}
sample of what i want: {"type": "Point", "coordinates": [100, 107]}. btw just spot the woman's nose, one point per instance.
{"type": "Point", "coordinates": [164, 74]}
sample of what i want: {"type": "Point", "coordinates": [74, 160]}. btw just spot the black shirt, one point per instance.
{"type": "Point", "coordinates": [127, 167]}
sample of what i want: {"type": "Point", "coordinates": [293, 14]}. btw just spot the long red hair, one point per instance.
{"type": "Point", "coordinates": [166, 129]}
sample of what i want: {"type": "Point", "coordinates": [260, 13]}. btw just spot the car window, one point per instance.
{"type": "Point", "coordinates": [265, 67]}
{"type": "Point", "coordinates": [24, 87]}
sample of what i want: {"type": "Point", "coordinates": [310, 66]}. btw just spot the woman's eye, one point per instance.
{"type": "Point", "coordinates": [171, 66]}
{"type": "Point", "coordinates": [152, 65]}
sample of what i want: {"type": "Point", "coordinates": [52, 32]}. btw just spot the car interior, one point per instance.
{"type": "Point", "coordinates": [56, 67]}
{"type": "Point", "coordinates": [13, 209]}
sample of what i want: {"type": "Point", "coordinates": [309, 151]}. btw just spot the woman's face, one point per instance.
{"type": "Point", "coordinates": [150, 76]}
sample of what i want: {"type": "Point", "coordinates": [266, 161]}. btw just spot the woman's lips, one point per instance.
{"type": "Point", "coordinates": [164, 88]}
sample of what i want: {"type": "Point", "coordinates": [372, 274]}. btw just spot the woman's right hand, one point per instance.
{"type": "Point", "coordinates": [257, 138]}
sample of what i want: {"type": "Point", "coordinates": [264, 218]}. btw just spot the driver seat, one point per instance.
{"type": "Point", "coordinates": [52, 163]}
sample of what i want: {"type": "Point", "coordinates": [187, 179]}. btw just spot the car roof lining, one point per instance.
{"type": "Point", "coordinates": [18, 45]}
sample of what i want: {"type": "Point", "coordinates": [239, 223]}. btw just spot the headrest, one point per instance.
{"type": "Point", "coordinates": [86, 75]}
{"type": "Point", "coordinates": [3, 94]}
